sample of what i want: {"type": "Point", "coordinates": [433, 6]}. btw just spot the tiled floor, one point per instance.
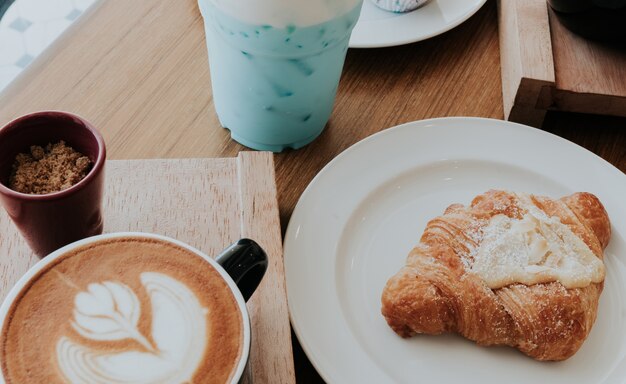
{"type": "Point", "coordinates": [28, 27]}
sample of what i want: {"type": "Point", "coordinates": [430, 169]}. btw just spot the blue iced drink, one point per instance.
{"type": "Point", "coordinates": [275, 72]}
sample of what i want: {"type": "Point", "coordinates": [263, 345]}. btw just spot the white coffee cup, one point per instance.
{"type": "Point", "coordinates": [241, 266]}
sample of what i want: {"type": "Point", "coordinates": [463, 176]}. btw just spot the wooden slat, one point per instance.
{"type": "Point", "coordinates": [526, 59]}
{"type": "Point", "coordinates": [271, 358]}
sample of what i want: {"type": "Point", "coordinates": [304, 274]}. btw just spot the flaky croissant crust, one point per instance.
{"type": "Point", "coordinates": [433, 293]}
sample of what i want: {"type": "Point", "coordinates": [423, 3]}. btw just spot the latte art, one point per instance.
{"type": "Point", "coordinates": [110, 311]}
{"type": "Point", "coordinates": [120, 311]}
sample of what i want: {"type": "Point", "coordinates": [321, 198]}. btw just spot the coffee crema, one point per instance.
{"type": "Point", "coordinates": [124, 310]}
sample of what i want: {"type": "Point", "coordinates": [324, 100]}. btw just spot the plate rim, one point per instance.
{"type": "Point", "coordinates": [410, 40]}
{"type": "Point", "coordinates": [324, 371]}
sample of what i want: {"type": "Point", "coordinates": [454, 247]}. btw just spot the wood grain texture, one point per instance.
{"type": "Point", "coordinates": [206, 203]}
{"type": "Point", "coordinates": [270, 362]}
{"type": "Point", "coordinates": [526, 57]}
{"type": "Point", "coordinates": [138, 70]}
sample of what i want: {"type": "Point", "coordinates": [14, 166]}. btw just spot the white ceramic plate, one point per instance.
{"type": "Point", "coordinates": [358, 219]}
{"type": "Point", "coordinates": [379, 28]}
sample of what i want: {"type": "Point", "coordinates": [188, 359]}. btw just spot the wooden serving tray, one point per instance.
{"type": "Point", "coordinates": [547, 67]}
{"type": "Point", "coordinates": [209, 204]}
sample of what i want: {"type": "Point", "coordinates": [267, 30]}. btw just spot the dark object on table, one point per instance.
{"type": "Point", "coordinates": [4, 5]}
{"type": "Point", "coordinates": [246, 263]}
{"type": "Point", "coordinates": [595, 19]}
{"type": "Point", "coordinates": [53, 220]}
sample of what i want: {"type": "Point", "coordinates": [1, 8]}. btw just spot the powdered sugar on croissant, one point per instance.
{"type": "Point", "coordinates": [512, 269]}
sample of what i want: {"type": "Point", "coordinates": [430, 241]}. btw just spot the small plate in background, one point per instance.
{"type": "Point", "coordinates": [378, 28]}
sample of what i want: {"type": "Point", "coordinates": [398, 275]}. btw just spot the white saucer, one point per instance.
{"type": "Point", "coordinates": [379, 28]}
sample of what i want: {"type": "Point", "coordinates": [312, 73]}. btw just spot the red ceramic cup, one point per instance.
{"type": "Point", "coordinates": [53, 220]}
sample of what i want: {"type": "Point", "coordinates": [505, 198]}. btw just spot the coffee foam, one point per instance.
{"type": "Point", "coordinates": [124, 310]}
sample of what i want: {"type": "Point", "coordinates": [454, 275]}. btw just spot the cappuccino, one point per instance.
{"type": "Point", "coordinates": [123, 310]}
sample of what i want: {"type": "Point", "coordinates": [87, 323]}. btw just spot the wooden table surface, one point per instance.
{"type": "Point", "coordinates": [138, 70]}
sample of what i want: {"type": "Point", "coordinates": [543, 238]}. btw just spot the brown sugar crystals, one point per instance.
{"type": "Point", "coordinates": [46, 170]}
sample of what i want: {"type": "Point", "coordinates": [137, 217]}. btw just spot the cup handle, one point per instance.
{"type": "Point", "coordinates": [246, 263]}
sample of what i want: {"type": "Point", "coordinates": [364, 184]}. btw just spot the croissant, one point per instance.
{"type": "Point", "coordinates": [511, 269]}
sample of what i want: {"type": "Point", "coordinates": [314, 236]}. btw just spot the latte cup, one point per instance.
{"type": "Point", "coordinates": [131, 307]}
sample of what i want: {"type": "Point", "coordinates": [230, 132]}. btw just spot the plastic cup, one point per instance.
{"type": "Point", "coordinates": [274, 87]}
